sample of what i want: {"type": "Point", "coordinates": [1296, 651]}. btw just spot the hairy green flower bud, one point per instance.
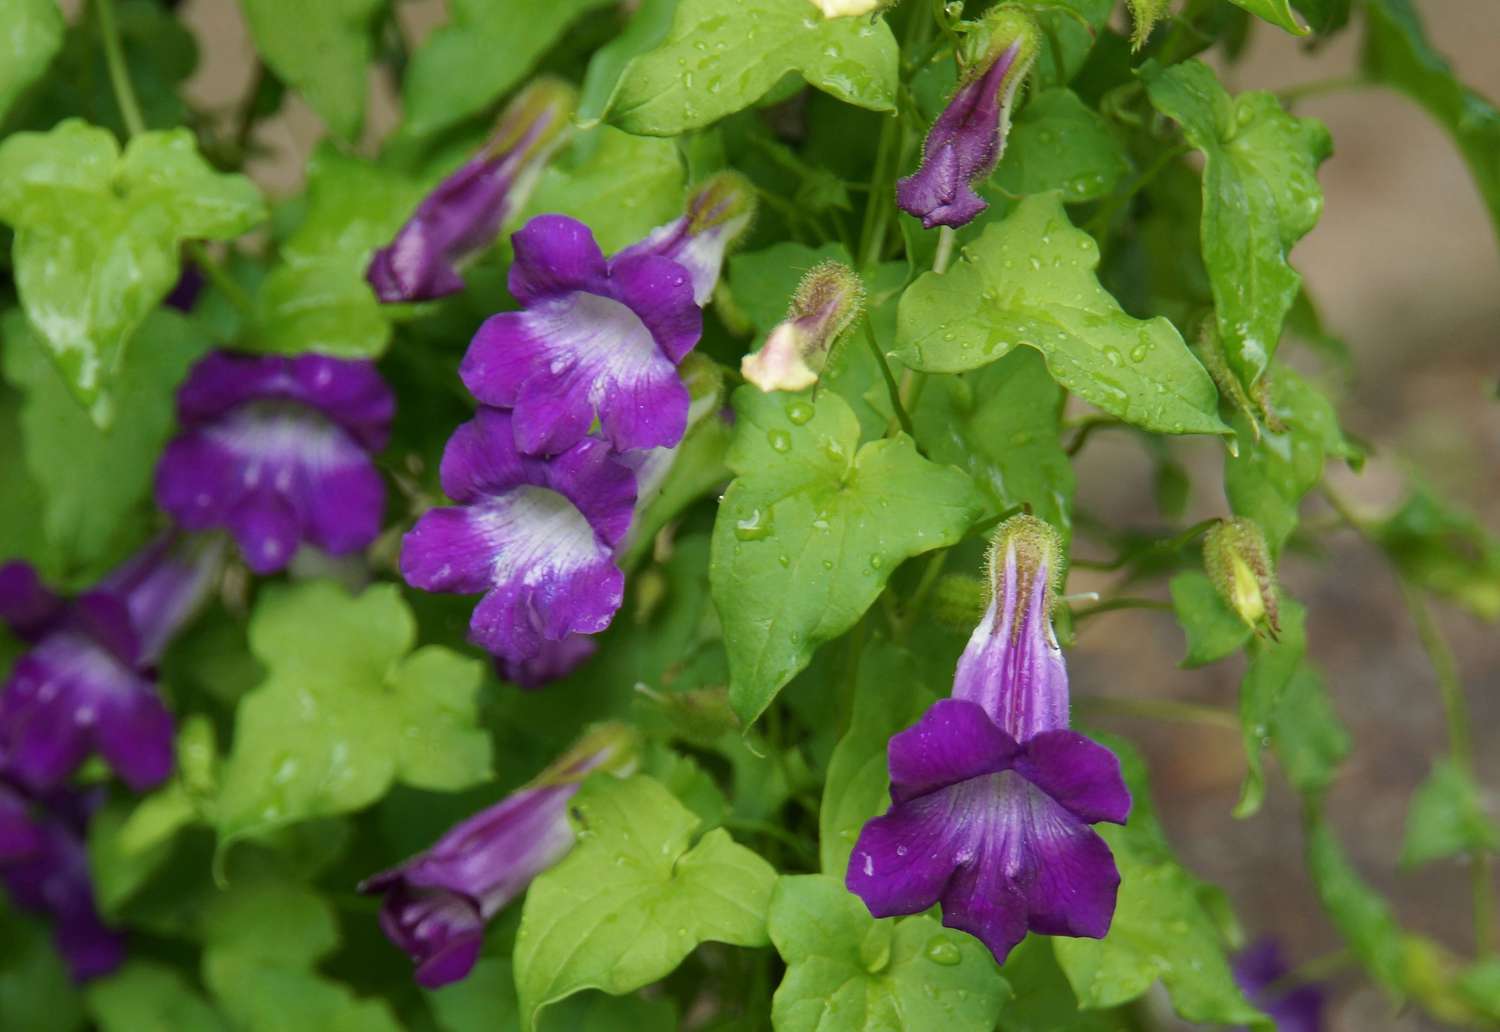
{"type": "Point", "coordinates": [1239, 564]}
{"type": "Point", "coordinates": [828, 300]}
{"type": "Point", "coordinates": [1038, 551]}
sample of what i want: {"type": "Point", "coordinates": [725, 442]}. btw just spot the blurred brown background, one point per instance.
{"type": "Point", "coordinates": [1407, 270]}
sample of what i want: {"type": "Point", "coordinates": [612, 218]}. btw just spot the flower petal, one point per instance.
{"type": "Point", "coordinates": [955, 740]}
{"type": "Point", "coordinates": [1078, 773]}
{"type": "Point", "coordinates": [504, 353]}
{"type": "Point", "coordinates": [27, 605]}
{"type": "Point", "coordinates": [134, 733]}
{"type": "Point", "coordinates": [480, 458]}
{"type": "Point", "coordinates": [902, 861]}
{"type": "Point", "coordinates": [555, 255]}
{"type": "Point", "coordinates": [660, 291]}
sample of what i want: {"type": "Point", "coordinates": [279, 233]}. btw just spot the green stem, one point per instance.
{"type": "Point", "coordinates": [913, 607]}
{"type": "Point", "coordinates": [1318, 87]}
{"type": "Point", "coordinates": [220, 278]}
{"type": "Point", "coordinates": [947, 237]}
{"type": "Point", "coordinates": [1099, 224]}
{"type": "Point", "coordinates": [772, 831]}
{"type": "Point", "coordinates": [119, 75]}
{"type": "Point", "coordinates": [1110, 605]}
{"type": "Point", "coordinates": [1160, 709]}
{"type": "Point", "coordinates": [892, 389]}
{"type": "Point", "coordinates": [1086, 428]}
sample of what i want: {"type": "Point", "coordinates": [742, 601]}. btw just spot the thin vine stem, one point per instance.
{"type": "Point", "coordinates": [1171, 710]}
{"type": "Point", "coordinates": [901, 416]}
{"type": "Point", "coordinates": [119, 74]}
{"type": "Point", "coordinates": [1111, 605]}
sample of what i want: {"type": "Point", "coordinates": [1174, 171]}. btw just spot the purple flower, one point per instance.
{"type": "Point", "coordinates": [1295, 1008]}
{"type": "Point", "coordinates": [44, 867]}
{"type": "Point", "coordinates": [276, 449]}
{"type": "Point", "coordinates": [536, 535]}
{"type": "Point", "coordinates": [190, 284]}
{"type": "Point", "coordinates": [968, 138]}
{"type": "Point", "coordinates": [594, 337]}
{"type": "Point", "coordinates": [85, 685]}
{"type": "Point", "coordinates": [718, 213]}
{"type": "Point", "coordinates": [992, 796]}
{"type": "Point", "coordinates": [437, 903]}
{"type": "Point", "coordinates": [463, 215]}
{"type": "Point", "coordinates": [556, 660]}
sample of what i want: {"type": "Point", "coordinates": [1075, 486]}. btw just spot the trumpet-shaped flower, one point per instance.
{"type": "Point", "coordinates": [462, 216]}
{"type": "Point", "coordinates": [829, 299]}
{"type": "Point", "coordinates": [992, 795]}
{"type": "Point", "coordinates": [277, 450]}
{"type": "Point", "coordinates": [718, 213]}
{"type": "Point", "coordinates": [536, 536]}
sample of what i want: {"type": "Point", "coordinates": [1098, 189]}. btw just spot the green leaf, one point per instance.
{"type": "Point", "coordinates": [322, 50]}
{"type": "Point", "coordinates": [485, 1001]}
{"type": "Point", "coordinates": [96, 484]}
{"type": "Point", "coordinates": [1270, 476]}
{"type": "Point", "coordinates": [1260, 196]}
{"type": "Point", "coordinates": [1273, 667]}
{"type": "Point", "coordinates": [1213, 629]}
{"type": "Point", "coordinates": [645, 31]}
{"type": "Point", "coordinates": [1044, 1001]}
{"type": "Point", "coordinates": [1397, 53]}
{"type": "Point", "coordinates": [1277, 12]}
{"type": "Point", "coordinates": [145, 996]}
{"type": "Point", "coordinates": [33, 35]}
{"type": "Point", "coordinates": [812, 528]}
{"type": "Point", "coordinates": [1069, 31]}
{"type": "Point", "coordinates": [487, 47]}
{"type": "Point", "coordinates": [97, 234]}
{"type": "Point", "coordinates": [22, 533]}
{"type": "Point", "coordinates": [724, 55]}
{"type": "Point", "coordinates": [889, 696]}
{"type": "Point", "coordinates": [1447, 818]}
{"type": "Point", "coordinates": [35, 991]}
{"type": "Point", "coordinates": [1445, 550]}
{"type": "Point", "coordinates": [1161, 928]}
{"type": "Point", "coordinates": [1309, 739]}
{"type": "Point", "coordinates": [317, 298]}
{"type": "Point", "coordinates": [848, 972]}
{"type": "Point", "coordinates": [633, 898]}
{"type": "Point", "coordinates": [1059, 143]}
{"type": "Point", "coordinates": [1003, 424]}
{"type": "Point", "coordinates": [261, 942]}
{"type": "Point", "coordinates": [1029, 281]}
{"type": "Point", "coordinates": [1362, 917]}
{"type": "Point", "coordinates": [621, 186]}
{"type": "Point", "coordinates": [345, 710]}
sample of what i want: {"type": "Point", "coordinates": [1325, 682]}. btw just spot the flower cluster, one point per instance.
{"type": "Point", "coordinates": [992, 795]}
{"type": "Point", "coordinates": [544, 500]}
{"type": "Point", "coordinates": [437, 903]}
{"type": "Point", "coordinates": [85, 685]}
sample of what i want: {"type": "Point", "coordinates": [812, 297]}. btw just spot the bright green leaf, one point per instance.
{"type": "Point", "coordinates": [889, 696]}
{"type": "Point", "coordinates": [485, 1001]}
{"type": "Point", "coordinates": [1447, 818]}
{"type": "Point", "coordinates": [1044, 1001]}
{"type": "Point", "coordinates": [1059, 143]}
{"type": "Point", "coordinates": [1213, 629]}
{"type": "Point", "coordinates": [488, 47]}
{"type": "Point", "coordinates": [97, 234]}
{"type": "Point", "coordinates": [633, 898]}
{"type": "Point", "coordinates": [1161, 929]}
{"type": "Point", "coordinates": [1445, 550]}
{"type": "Point", "coordinates": [1362, 917]}
{"type": "Point", "coordinates": [1277, 12]}
{"type": "Point", "coordinates": [317, 298]}
{"type": "Point", "coordinates": [145, 996]}
{"type": "Point", "coordinates": [1069, 30]}
{"type": "Point", "coordinates": [1029, 281]}
{"type": "Point", "coordinates": [620, 185]}
{"type": "Point", "coordinates": [1272, 670]}
{"type": "Point", "coordinates": [32, 37]}
{"type": "Point", "coordinates": [345, 711]}
{"type": "Point", "coordinates": [1003, 424]}
{"type": "Point", "coordinates": [847, 972]}
{"type": "Point", "coordinates": [322, 50]}
{"type": "Point", "coordinates": [724, 55]}
{"type": "Point", "coordinates": [1398, 54]}
{"type": "Point", "coordinates": [1260, 196]}
{"type": "Point", "coordinates": [645, 31]}
{"type": "Point", "coordinates": [1309, 739]}
{"type": "Point", "coordinates": [260, 944]}
{"type": "Point", "coordinates": [96, 484]}
{"type": "Point", "coordinates": [808, 534]}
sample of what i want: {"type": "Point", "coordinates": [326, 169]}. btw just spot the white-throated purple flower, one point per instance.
{"type": "Point", "coordinates": [464, 214]}
{"type": "Point", "coordinates": [437, 903]}
{"type": "Point", "coordinates": [828, 300]}
{"type": "Point", "coordinates": [968, 138]}
{"type": "Point", "coordinates": [276, 449]}
{"type": "Point", "coordinates": [991, 794]}
{"type": "Point", "coordinates": [535, 535]}
{"type": "Point", "coordinates": [602, 338]}
{"type": "Point", "coordinates": [1261, 972]}
{"type": "Point", "coordinates": [44, 868]}
{"type": "Point", "coordinates": [86, 684]}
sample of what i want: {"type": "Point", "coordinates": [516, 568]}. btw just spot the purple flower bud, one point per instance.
{"type": "Point", "coordinates": [44, 867]}
{"type": "Point", "coordinates": [1296, 1008]}
{"type": "Point", "coordinates": [828, 300]}
{"type": "Point", "coordinates": [537, 536]}
{"type": "Point", "coordinates": [968, 138]}
{"type": "Point", "coordinates": [438, 902]}
{"type": "Point", "coordinates": [276, 449]}
{"type": "Point", "coordinates": [718, 213]}
{"type": "Point", "coordinates": [84, 685]}
{"type": "Point", "coordinates": [1239, 564]}
{"type": "Point", "coordinates": [991, 795]}
{"type": "Point", "coordinates": [556, 660]}
{"type": "Point", "coordinates": [595, 337]}
{"type": "Point", "coordinates": [184, 294]}
{"type": "Point", "coordinates": [463, 215]}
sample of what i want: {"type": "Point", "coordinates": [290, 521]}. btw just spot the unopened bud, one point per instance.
{"type": "Point", "coordinates": [698, 715]}
{"type": "Point", "coordinates": [612, 748]}
{"type": "Point", "coordinates": [1239, 564]}
{"type": "Point", "coordinates": [1038, 553]}
{"type": "Point", "coordinates": [828, 300]}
